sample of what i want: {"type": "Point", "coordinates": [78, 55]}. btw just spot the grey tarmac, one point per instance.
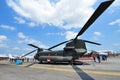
{"type": "Point", "coordinates": [106, 70]}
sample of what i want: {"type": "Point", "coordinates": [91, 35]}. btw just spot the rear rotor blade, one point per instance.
{"type": "Point", "coordinates": [91, 42]}
{"type": "Point", "coordinates": [28, 53]}
{"type": "Point", "coordinates": [59, 44]}
{"type": "Point", "coordinates": [102, 7]}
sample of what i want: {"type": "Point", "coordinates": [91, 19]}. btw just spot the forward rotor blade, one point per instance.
{"type": "Point", "coordinates": [91, 42]}
{"type": "Point", "coordinates": [102, 7]}
{"type": "Point", "coordinates": [33, 45]}
{"type": "Point", "coordinates": [59, 44]}
{"type": "Point", "coordinates": [37, 47]}
{"type": "Point", "coordinates": [28, 53]}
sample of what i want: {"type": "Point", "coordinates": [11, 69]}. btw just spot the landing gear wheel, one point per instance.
{"type": "Point", "coordinates": [40, 62]}
{"type": "Point", "coordinates": [72, 62]}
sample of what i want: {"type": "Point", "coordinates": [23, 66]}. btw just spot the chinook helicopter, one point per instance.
{"type": "Point", "coordinates": [75, 48]}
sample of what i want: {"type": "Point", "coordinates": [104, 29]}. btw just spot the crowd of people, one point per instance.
{"type": "Point", "coordinates": [98, 58]}
{"type": "Point", "coordinates": [21, 59]}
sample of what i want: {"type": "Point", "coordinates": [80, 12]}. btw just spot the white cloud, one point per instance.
{"type": "Point", "coordinates": [115, 22]}
{"type": "Point", "coordinates": [28, 40]}
{"type": "Point", "coordinates": [28, 49]}
{"type": "Point", "coordinates": [16, 48]}
{"type": "Point", "coordinates": [97, 33]}
{"type": "Point", "coordinates": [32, 24]}
{"type": "Point", "coordinates": [19, 20]}
{"type": "Point", "coordinates": [58, 33]}
{"type": "Point", "coordinates": [3, 37]}
{"type": "Point", "coordinates": [7, 27]}
{"type": "Point", "coordinates": [70, 35]}
{"type": "Point", "coordinates": [22, 21]}
{"type": "Point", "coordinates": [72, 15]}
{"type": "Point", "coordinates": [21, 35]}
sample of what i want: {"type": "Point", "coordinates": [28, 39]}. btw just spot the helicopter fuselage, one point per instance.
{"type": "Point", "coordinates": [60, 55]}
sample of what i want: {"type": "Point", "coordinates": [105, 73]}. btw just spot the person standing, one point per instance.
{"type": "Point", "coordinates": [98, 57]}
{"type": "Point", "coordinates": [94, 58]}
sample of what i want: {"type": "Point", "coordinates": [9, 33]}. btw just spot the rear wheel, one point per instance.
{"type": "Point", "coordinates": [72, 62]}
{"type": "Point", "coordinates": [40, 62]}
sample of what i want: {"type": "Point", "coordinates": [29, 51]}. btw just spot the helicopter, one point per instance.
{"type": "Point", "coordinates": [75, 48]}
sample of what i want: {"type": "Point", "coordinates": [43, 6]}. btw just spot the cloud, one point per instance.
{"type": "Point", "coordinates": [21, 35]}
{"type": "Point", "coordinates": [22, 21]}
{"type": "Point", "coordinates": [115, 22]}
{"type": "Point", "coordinates": [72, 15]}
{"type": "Point", "coordinates": [70, 35]}
{"type": "Point", "coordinates": [28, 40]}
{"type": "Point", "coordinates": [7, 27]}
{"type": "Point", "coordinates": [97, 33]}
{"type": "Point", "coordinates": [3, 37]}
{"type": "Point", "coordinates": [28, 49]}
{"type": "Point", "coordinates": [19, 20]}
{"type": "Point", "coordinates": [32, 24]}
{"type": "Point", "coordinates": [58, 33]}
{"type": "Point", "coordinates": [16, 48]}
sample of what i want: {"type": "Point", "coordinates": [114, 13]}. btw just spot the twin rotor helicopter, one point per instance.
{"type": "Point", "coordinates": [75, 48]}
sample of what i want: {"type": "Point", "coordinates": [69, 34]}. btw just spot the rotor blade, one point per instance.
{"type": "Point", "coordinates": [102, 7]}
{"type": "Point", "coordinates": [33, 45]}
{"type": "Point", "coordinates": [37, 47]}
{"type": "Point", "coordinates": [28, 53]}
{"type": "Point", "coordinates": [59, 44]}
{"type": "Point", "coordinates": [91, 42]}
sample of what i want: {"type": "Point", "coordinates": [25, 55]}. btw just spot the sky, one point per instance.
{"type": "Point", "coordinates": [46, 23]}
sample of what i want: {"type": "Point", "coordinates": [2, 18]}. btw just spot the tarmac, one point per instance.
{"type": "Point", "coordinates": [90, 70]}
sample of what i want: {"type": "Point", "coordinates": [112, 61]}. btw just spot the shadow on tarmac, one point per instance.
{"type": "Point", "coordinates": [31, 64]}
{"type": "Point", "coordinates": [81, 73]}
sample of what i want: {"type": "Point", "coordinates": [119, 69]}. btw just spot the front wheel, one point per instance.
{"type": "Point", "coordinates": [40, 62]}
{"type": "Point", "coordinates": [71, 62]}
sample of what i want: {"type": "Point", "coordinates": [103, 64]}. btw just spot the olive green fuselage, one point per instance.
{"type": "Point", "coordinates": [59, 56]}
{"type": "Point", "coordinates": [72, 51]}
